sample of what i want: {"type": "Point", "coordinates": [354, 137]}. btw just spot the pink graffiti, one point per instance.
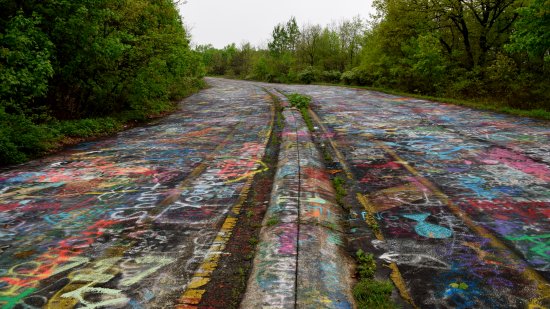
{"type": "Point", "coordinates": [519, 162]}
{"type": "Point", "coordinates": [287, 239]}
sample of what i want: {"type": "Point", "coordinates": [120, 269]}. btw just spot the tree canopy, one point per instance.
{"type": "Point", "coordinates": [489, 50]}
{"type": "Point", "coordinates": [66, 60]}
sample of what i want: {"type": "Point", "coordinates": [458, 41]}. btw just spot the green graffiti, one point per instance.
{"type": "Point", "coordinates": [542, 243]}
{"type": "Point", "coordinates": [9, 302]}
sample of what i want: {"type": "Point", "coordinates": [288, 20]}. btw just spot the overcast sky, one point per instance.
{"type": "Point", "coordinates": [220, 22]}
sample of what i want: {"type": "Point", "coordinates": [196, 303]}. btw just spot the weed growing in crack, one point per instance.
{"type": "Point", "coordinates": [341, 192]}
{"type": "Point", "coordinates": [272, 221]}
{"type": "Point", "coordinates": [370, 292]}
{"type": "Point", "coordinates": [253, 241]}
{"type": "Point", "coordinates": [301, 102]}
{"type": "Point", "coordinates": [366, 265]}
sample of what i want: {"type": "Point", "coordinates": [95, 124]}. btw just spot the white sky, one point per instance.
{"type": "Point", "coordinates": [221, 22]}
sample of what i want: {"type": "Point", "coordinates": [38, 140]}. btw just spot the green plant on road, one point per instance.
{"type": "Point", "coordinates": [338, 184]}
{"type": "Point", "coordinates": [299, 101]}
{"type": "Point", "coordinates": [366, 265]}
{"type": "Point", "coordinates": [370, 292]}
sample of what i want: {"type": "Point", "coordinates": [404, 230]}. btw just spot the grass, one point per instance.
{"type": "Point", "coordinates": [326, 156]}
{"type": "Point", "coordinates": [341, 192]}
{"type": "Point", "coordinates": [368, 291]}
{"type": "Point", "coordinates": [253, 241]}
{"type": "Point", "coordinates": [301, 102]}
{"type": "Point", "coordinates": [366, 266]}
{"type": "Point", "coordinates": [272, 221]}
{"type": "Point", "coordinates": [481, 105]}
{"type": "Point", "coordinates": [236, 291]}
{"type": "Point", "coordinates": [279, 117]}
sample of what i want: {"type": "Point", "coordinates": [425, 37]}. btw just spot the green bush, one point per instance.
{"type": "Point", "coordinates": [307, 76]}
{"type": "Point", "coordinates": [366, 265]}
{"type": "Point", "coordinates": [348, 77]}
{"type": "Point", "coordinates": [355, 76]}
{"type": "Point", "coordinates": [331, 76]}
{"type": "Point", "coordinates": [20, 137]}
{"type": "Point", "coordinates": [299, 101]}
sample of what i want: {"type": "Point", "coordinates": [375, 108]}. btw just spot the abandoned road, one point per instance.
{"type": "Point", "coordinates": [154, 217]}
{"type": "Point", "coordinates": [127, 221]}
{"type": "Point", "coordinates": [462, 196]}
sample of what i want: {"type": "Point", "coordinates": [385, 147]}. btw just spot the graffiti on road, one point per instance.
{"type": "Point", "coordinates": [127, 221]}
{"type": "Point", "coordinates": [462, 196]}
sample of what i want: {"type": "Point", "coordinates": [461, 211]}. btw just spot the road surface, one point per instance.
{"type": "Point", "coordinates": [137, 219]}
{"type": "Point", "coordinates": [142, 219]}
{"type": "Point", "coordinates": [462, 196]}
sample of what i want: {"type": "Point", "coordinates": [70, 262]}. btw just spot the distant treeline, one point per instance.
{"type": "Point", "coordinates": [63, 61]}
{"type": "Point", "coordinates": [490, 50]}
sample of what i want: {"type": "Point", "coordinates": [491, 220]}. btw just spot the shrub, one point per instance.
{"type": "Point", "coordinates": [19, 136]}
{"type": "Point", "coordinates": [331, 76]}
{"type": "Point", "coordinates": [307, 76]}
{"type": "Point", "coordinates": [348, 77]}
{"type": "Point", "coordinates": [299, 101]}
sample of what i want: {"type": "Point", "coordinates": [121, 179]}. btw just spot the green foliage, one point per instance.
{"type": "Point", "coordinates": [374, 294]}
{"type": "Point", "coordinates": [366, 265]}
{"type": "Point", "coordinates": [25, 66]}
{"type": "Point", "coordinates": [68, 60]}
{"type": "Point", "coordinates": [19, 136]}
{"type": "Point", "coordinates": [284, 38]}
{"type": "Point", "coordinates": [338, 184]}
{"type": "Point", "coordinates": [299, 101]}
{"type": "Point", "coordinates": [88, 127]}
{"type": "Point", "coordinates": [273, 221]}
{"type": "Point", "coordinates": [424, 63]}
{"type": "Point", "coordinates": [310, 54]}
{"type": "Point", "coordinates": [369, 292]}
{"type": "Point", "coordinates": [307, 76]}
{"type": "Point", "coordinates": [331, 76]}
{"type": "Point", "coordinates": [488, 50]}
{"type": "Point", "coordinates": [532, 31]}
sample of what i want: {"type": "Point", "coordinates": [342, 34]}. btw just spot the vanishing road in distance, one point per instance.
{"type": "Point", "coordinates": [144, 219]}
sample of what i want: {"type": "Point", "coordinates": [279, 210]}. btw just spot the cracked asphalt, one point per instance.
{"type": "Point", "coordinates": [462, 196]}
{"type": "Point", "coordinates": [461, 199]}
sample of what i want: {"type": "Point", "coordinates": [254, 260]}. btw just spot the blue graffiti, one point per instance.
{"type": "Point", "coordinates": [476, 184]}
{"type": "Point", "coordinates": [426, 229]}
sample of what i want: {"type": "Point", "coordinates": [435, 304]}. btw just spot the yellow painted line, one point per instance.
{"type": "Point", "coordinates": [395, 275]}
{"type": "Point", "coordinates": [339, 155]}
{"type": "Point", "coordinates": [195, 289]}
{"type": "Point", "coordinates": [528, 274]}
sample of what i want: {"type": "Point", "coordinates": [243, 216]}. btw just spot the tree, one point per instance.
{"type": "Point", "coordinates": [532, 31]}
{"type": "Point", "coordinates": [309, 43]}
{"type": "Point", "coordinates": [284, 37]}
{"type": "Point", "coordinates": [351, 33]}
